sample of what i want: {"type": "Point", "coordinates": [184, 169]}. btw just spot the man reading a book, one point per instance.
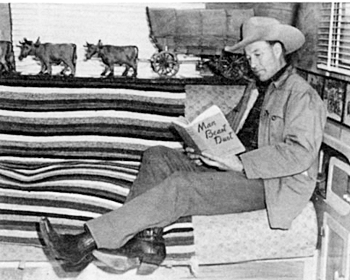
{"type": "Point", "coordinates": [280, 120]}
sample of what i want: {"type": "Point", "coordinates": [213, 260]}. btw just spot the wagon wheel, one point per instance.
{"type": "Point", "coordinates": [165, 64]}
{"type": "Point", "coordinates": [234, 67]}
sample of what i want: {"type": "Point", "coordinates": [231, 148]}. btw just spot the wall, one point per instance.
{"type": "Point", "coordinates": [307, 21]}
{"type": "Point", "coordinates": [5, 22]}
{"type": "Point", "coordinates": [112, 23]}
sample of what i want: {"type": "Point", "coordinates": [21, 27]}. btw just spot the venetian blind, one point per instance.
{"type": "Point", "coordinates": [334, 38]}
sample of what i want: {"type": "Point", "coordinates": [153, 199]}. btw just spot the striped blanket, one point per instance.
{"type": "Point", "coordinates": [72, 154]}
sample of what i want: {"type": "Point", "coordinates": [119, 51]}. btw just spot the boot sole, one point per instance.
{"type": "Point", "coordinates": [117, 262]}
{"type": "Point", "coordinates": [149, 264]}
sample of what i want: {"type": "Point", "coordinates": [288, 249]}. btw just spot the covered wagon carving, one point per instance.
{"type": "Point", "coordinates": [202, 33]}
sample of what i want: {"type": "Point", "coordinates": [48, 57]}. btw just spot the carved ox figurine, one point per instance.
{"type": "Point", "coordinates": [50, 54]}
{"type": "Point", "coordinates": [114, 55]}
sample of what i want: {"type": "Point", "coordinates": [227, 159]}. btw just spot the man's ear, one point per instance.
{"type": "Point", "coordinates": [278, 49]}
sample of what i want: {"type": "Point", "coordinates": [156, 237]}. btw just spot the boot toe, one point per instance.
{"type": "Point", "coordinates": [49, 236]}
{"type": "Point", "coordinates": [62, 247]}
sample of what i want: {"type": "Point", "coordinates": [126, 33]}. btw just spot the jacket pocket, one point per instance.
{"type": "Point", "coordinates": [275, 122]}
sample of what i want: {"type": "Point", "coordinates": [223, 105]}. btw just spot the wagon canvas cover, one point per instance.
{"type": "Point", "coordinates": [196, 31]}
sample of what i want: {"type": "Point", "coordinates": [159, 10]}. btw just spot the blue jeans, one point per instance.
{"type": "Point", "coordinates": [170, 186]}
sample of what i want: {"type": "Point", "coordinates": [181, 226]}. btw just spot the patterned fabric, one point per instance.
{"type": "Point", "coordinates": [201, 97]}
{"type": "Point", "coordinates": [72, 154]}
{"type": "Point", "coordinates": [247, 236]}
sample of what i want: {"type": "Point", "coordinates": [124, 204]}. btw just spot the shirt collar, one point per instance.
{"type": "Point", "coordinates": [276, 79]}
{"type": "Point", "coordinates": [281, 76]}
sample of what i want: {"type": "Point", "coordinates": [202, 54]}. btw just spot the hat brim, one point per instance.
{"type": "Point", "coordinates": [289, 36]}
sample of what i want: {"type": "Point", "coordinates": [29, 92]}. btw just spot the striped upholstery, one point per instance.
{"type": "Point", "coordinates": [72, 154]}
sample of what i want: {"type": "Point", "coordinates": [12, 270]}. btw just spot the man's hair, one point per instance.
{"type": "Point", "coordinates": [287, 57]}
{"type": "Point", "coordinates": [283, 48]}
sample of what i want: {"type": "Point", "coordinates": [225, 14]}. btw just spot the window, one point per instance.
{"type": "Point", "coordinates": [334, 38]}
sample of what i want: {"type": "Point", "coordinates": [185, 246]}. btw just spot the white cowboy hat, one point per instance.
{"type": "Point", "coordinates": [269, 29]}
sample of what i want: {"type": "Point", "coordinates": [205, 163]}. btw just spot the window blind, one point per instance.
{"type": "Point", "coordinates": [334, 38]}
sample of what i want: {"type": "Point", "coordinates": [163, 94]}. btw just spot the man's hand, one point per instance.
{"type": "Point", "coordinates": [230, 163]}
{"type": "Point", "coordinates": [190, 152]}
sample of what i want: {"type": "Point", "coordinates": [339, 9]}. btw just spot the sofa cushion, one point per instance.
{"type": "Point", "coordinates": [248, 236]}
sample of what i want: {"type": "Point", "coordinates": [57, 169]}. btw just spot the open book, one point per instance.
{"type": "Point", "coordinates": [209, 132]}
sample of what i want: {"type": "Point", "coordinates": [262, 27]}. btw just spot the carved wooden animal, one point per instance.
{"type": "Point", "coordinates": [50, 54]}
{"type": "Point", "coordinates": [114, 55]}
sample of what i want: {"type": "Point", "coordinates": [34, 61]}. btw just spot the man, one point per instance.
{"type": "Point", "coordinates": [280, 119]}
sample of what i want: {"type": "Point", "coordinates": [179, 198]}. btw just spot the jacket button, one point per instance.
{"type": "Point", "coordinates": [273, 118]}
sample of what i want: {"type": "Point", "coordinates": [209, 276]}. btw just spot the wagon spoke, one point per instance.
{"type": "Point", "coordinates": [164, 72]}
{"type": "Point", "coordinates": [156, 67]}
{"type": "Point", "coordinates": [165, 63]}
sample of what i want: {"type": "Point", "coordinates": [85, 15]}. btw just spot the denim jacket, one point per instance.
{"type": "Point", "coordinates": [291, 127]}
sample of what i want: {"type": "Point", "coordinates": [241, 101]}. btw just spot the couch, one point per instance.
{"type": "Point", "coordinates": [72, 153]}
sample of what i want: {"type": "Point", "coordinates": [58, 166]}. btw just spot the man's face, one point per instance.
{"type": "Point", "coordinates": [264, 59]}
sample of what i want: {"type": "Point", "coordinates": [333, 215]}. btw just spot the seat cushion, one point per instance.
{"type": "Point", "coordinates": [247, 236]}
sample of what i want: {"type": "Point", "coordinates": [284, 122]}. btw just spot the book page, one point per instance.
{"type": "Point", "coordinates": [210, 132]}
{"type": "Point", "coordinates": [188, 136]}
{"type": "Point", "coordinates": [217, 136]}
{"type": "Point", "coordinates": [182, 121]}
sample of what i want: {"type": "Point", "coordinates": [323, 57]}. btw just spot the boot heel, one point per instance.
{"type": "Point", "coordinates": [149, 263]}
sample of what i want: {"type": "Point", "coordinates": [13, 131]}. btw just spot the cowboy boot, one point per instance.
{"type": "Point", "coordinates": [146, 251]}
{"type": "Point", "coordinates": [74, 250]}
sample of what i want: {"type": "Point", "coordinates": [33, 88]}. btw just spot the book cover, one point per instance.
{"type": "Point", "coordinates": [209, 132]}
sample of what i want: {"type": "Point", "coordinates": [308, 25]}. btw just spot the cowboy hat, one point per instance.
{"type": "Point", "coordinates": [269, 29]}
